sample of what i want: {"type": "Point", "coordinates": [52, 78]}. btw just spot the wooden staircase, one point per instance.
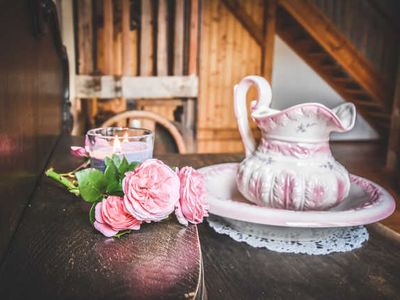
{"type": "Point", "coordinates": [371, 107]}
{"type": "Point", "coordinates": [318, 41]}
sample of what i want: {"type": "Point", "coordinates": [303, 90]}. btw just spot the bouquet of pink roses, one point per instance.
{"type": "Point", "coordinates": [127, 194]}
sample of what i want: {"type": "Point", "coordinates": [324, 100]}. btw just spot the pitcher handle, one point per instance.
{"type": "Point", "coordinates": [264, 100]}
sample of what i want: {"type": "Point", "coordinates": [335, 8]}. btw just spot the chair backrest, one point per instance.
{"type": "Point", "coordinates": [126, 118]}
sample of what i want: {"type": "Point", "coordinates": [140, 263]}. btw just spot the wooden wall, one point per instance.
{"type": "Point", "coordinates": [145, 44]}
{"type": "Point", "coordinates": [227, 54]}
{"type": "Point", "coordinates": [33, 90]}
{"type": "Point", "coordinates": [136, 38]}
{"type": "Point", "coordinates": [369, 29]}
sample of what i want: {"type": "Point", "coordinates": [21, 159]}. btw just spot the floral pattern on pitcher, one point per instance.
{"type": "Point", "coordinates": [304, 175]}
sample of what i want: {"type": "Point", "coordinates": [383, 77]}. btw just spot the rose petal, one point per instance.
{"type": "Point", "coordinates": [79, 151]}
{"type": "Point", "coordinates": [151, 191]}
{"type": "Point", "coordinates": [104, 229]}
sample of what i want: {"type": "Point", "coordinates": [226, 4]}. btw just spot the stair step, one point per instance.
{"type": "Point", "coordinates": [334, 72]}
{"type": "Point", "coordinates": [352, 85]}
{"type": "Point", "coordinates": [318, 55]}
{"type": "Point", "coordinates": [359, 94]}
{"type": "Point", "coordinates": [321, 57]}
{"type": "Point", "coordinates": [366, 104]}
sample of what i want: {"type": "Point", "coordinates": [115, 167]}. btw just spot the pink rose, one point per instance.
{"type": "Point", "coordinates": [151, 191]}
{"type": "Point", "coordinates": [81, 151]}
{"type": "Point", "coordinates": [191, 206]}
{"type": "Point", "coordinates": [112, 217]}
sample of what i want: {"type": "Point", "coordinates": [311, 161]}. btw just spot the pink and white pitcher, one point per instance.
{"type": "Point", "coordinates": [292, 167]}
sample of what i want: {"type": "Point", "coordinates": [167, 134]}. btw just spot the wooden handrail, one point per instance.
{"type": "Point", "coordinates": [329, 37]}
{"type": "Point", "coordinates": [337, 45]}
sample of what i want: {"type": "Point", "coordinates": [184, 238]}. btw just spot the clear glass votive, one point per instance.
{"type": "Point", "coordinates": [136, 144]}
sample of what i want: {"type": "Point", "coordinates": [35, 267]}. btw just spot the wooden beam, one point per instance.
{"type": "Point", "coordinates": [179, 36]}
{"type": "Point", "coordinates": [270, 7]}
{"type": "Point", "coordinates": [143, 87]}
{"type": "Point", "coordinates": [193, 37]}
{"type": "Point", "coordinates": [108, 41]}
{"type": "Point", "coordinates": [329, 37]}
{"type": "Point", "coordinates": [162, 43]}
{"type": "Point", "coordinates": [85, 37]}
{"type": "Point", "coordinates": [146, 39]}
{"type": "Point", "coordinates": [245, 20]}
{"type": "Point", "coordinates": [126, 39]}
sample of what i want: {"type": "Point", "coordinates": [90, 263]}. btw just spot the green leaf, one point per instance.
{"type": "Point", "coordinates": [112, 178]}
{"type": "Point", "coordinates": [123, 167]}
{"type": "Point", "coordinates": [132, 166]}
{"type": "Point", "coordinates": [116, 159]}
{"type": "Point", "coordinates": [92, 213]}
{"type": "Point", "coordinates": [92, 184]}
{"type": "Point", "coordinates": [108, 161]}
{"type": "Point", "coordinates": [121, 233]}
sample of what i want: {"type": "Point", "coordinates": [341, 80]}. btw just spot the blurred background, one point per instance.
{"type": "Point", "coordinates": [179, 59]}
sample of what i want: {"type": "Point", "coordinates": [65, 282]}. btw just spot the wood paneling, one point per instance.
{"type": "Point", "coordinates": [344, 52]}
{"type": "Point", "coordinates": [193, 37]}
{"type": "Point", "coordinates": [127, 44]}
{"type": "Point", "coordinates": [33, 94]}
{"type": "Point", "coordinates": [146, 39]}
{"type": "Point", "coordinates": [162, 38]}
{"type": "Point", "coordinates": [85, 37]}
{"type": "Point", "coordinates": [228, 53]}
{"type": "Point", "coordinates": [108, 37]}
{"type": "Point", "coordinates": [369, 28]}
{"type": "Point", "coordinates": [179, 31]}
{"type": "Point", "coordinates": [270, 7]}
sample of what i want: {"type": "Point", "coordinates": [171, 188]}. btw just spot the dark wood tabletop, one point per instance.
{"type": "Point", "coordinates": [55, 253]}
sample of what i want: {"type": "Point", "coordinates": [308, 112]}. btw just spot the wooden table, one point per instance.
{"type": "Point", "coordinates": [56, 254]}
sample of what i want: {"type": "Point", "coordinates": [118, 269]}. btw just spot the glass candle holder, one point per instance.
{"type": "Point", "coordinates": [136, 144]}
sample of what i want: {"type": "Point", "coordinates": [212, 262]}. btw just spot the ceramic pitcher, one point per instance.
{"type": "Point", "coordinates": [292, 167]}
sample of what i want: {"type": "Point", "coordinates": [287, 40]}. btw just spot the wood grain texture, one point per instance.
{"type": "Point", "coordinates": [108, 37]}
{"type": "Point", "coordinates": [162, 35]}
{"type": "Point", "coordinates": [85, 37]}
{"type": "Point", "coordinates": [56, 253]}
{"type": "Point", "coordinates": [374, 35]}
{"type": "Point", "coordinates": [270, 7]}
{"type": "Point", "coordinates": [126, 38]}
{"type": "Point", "coordinates": [33, 87]}
{"type": "Point", "coordinates": [146, 39]}
{"type": "Point", "coordinates": [228, 53]}
{"type": "Point", "coordinates": [193, 37]}
{"type": "Point", "coordinates": [237, 271]}
{"type": "Point", "coordinates": [344, 52]}
{"type": "Point", "coordinates": [136, 86]}
{"type": "Point", "coordinates": [179, 37]}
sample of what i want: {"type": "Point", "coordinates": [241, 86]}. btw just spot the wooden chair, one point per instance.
{"type": "Point", "coordinates": [149, 121]}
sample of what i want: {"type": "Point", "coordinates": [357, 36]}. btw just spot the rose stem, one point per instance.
{"type": "Point", "coordinates": [82, 166]}
{"type": "Point", "coordinates": [64, 181]}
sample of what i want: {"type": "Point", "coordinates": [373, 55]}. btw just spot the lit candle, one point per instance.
{"type": "Point", "coordinates": [136, 144]}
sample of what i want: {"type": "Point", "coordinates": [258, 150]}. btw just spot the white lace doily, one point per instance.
{"type": "Point", "coordinates": [311, 241]}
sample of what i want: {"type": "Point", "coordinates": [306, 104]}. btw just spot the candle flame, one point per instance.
{"type": "Point", "coordinates": [125, 140]}
{"type": "Point", "coordinates": [116, 145]}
